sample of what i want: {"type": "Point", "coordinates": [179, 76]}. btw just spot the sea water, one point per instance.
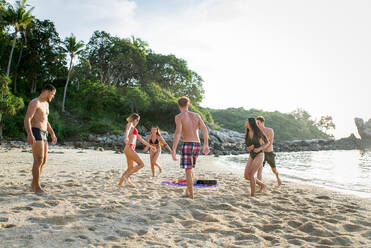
{"type": "Point", "coordinates": [344, 171]}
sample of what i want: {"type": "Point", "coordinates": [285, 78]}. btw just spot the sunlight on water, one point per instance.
{"type": "Point", "coordinates": [344, 171]}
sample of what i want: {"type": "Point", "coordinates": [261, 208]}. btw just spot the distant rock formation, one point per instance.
{"type": "Point", "coordinates": [364, 129]}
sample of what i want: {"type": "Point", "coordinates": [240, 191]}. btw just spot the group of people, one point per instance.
{"type": "Point", "coordinates": [258, 141]}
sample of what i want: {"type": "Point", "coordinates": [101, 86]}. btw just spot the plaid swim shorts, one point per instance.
{"type": "Point", "coordinates": [190, 151]}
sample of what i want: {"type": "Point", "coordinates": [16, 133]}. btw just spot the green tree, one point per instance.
{"type": "Point", "coordinates": [326, 123]}
{"type": "Point", "coordinates": [73, 48]}
{"type": "Point", "coordinates": [9, 104]}
{"type": "Point", "coordinates": [18, 17]}
{"type": "Point", "coordinates": [173, 74]}
{"type": "Point", "coordinates": [300, 114]}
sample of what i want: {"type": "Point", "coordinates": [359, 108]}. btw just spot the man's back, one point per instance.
{"type": "Point", "coordinates": [190, 123]}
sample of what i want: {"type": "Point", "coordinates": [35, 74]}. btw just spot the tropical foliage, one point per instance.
{"type": "Point", "coordinates": [294, 126]}
{"type": "Point", "coordinates": [101, 83]}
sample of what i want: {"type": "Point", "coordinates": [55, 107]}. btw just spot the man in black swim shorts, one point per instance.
{"type": "Point", "coordinates": [269, 156]}
{"type": "Point", "coordinates": [37, 127]}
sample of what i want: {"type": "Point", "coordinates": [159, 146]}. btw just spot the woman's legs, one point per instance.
{"type": "Point", "coordinates": [151, 155]}
{"type": "Point", "coordinates": [251, 171]}
{"type": "Point", "coordinates": [133, 156]}
{"type": "Point", "coordinates": [248, 165]}
{"type": "Point", "coordinates": [155, 158]}
{"type": "Point", "coordinates": [130, 166]}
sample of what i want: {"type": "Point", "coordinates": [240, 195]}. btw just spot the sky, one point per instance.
{"type": "Point", "coordinates": [267, 54]}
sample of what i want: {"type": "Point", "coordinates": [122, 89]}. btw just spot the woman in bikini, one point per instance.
{"type": "Point", "coordinates": [255, 141]}
{"type": "Point", "coordinates": [131, 135]}
{"type": "Point", "coordinates": [156, 139]}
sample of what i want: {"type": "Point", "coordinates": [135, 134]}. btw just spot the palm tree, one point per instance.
{"type": "Point", "coordinates": [19, 18]}
{"type": "Point", "coordinates": [73, 48]}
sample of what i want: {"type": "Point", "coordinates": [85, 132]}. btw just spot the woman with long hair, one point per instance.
{"type": "Point", "coordinates": [156, 139]}
{"type": "Point", "coordinates": [131, 136]}
{"type": "Point", "coordinates": [255, 141]}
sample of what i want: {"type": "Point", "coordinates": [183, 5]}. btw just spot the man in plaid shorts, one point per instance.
{"type": "Point", "coordinates": [187, 125]}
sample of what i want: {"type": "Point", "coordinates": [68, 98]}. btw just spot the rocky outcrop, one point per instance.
{"type": "Point", "coordinates": [364, 130]}
{"type": "Point", "coordinates": [221, 142]}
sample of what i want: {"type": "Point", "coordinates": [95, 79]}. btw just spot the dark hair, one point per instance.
{"type": "Point", "coordinates": [48, 87]}
{"type": "Point", "coordinates": [260, 118]}
{"type": "Point", "coordinates": [256, 130]}
{"type": "Point", "coordinates": [183, 101]}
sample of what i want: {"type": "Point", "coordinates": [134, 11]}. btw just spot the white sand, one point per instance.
{"type": "Point", "coordinates": [85, 208]}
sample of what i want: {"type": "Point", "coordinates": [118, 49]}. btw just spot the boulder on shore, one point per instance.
{"type": "Point", "coordinates": [364, 130]}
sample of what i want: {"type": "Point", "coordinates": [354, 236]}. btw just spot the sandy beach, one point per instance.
{"type": "Point", "coordinates": [86, 208]}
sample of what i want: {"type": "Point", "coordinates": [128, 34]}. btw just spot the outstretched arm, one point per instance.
{"type": "Point", "coordinates": [145, 143]}
{"type": "Point", "coordinates": [205, 133]}
{"type": "Point", "coordinates": [31, 110]}
{"type": "Point", "coordinates": [178, 131]}
{"type": "Point", "coordinates": [147, 147]}
{"type": "Point", "coordinates": [165, 144]}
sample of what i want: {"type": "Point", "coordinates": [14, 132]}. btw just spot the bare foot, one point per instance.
{"type": "Point", "coordinates": [40, 191]}
{"type": "Point", "coordinates": [129, 183]}
{"type": "Point", "coordinates": [262, 188]}
{"type": "Point", "coordinates": [159, 171]}
{"type": "Point", "coordinates": [186, 194]}
{"type": "Point", "coordinates": [279, 183]}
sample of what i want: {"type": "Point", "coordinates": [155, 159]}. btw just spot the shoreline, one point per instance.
{"type": "Point", "coordinates": [268, 175]}
{"type": "Point", "coordinates": [85, 208]}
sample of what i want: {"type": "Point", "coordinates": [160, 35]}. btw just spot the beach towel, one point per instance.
{"type": "Point", "coordinates": [196, 183]}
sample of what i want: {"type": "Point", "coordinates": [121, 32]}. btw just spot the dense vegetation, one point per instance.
{"type": "Point", "coordinates": [99, 84]}
{"type": "Point", "coordinates": [293, 126]}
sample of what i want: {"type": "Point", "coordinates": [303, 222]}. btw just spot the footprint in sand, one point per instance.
{"type": "Point", "coordinates": [7, 225]}
{"type": "Point", "coordinates": [111, 238]}
{"type": "Point", "coordinates": [295, 242]}
{"type": "Point", "coordinates": [4, 219]}
{"type": "Point", "coordinates": [294, 223]}
{"type": "Point", "coordinates": [323, 197]}
{"type": "Point", "coordinates": [37, 205]}
{"type": "Point", "coordinates": [343, 241]}
{"type": "Point", "coordinates": [201, 216]}
{"type": "Point", "coordinates": [17, 209]}
{"type": "Point", "coordinates": [315, 230]}
{"type": "Point", "coordinates": [352, 228]}
{"type": "Point", "coordinates": [125, 233]}
{"type": "Point", "coordinates": [270, 228]}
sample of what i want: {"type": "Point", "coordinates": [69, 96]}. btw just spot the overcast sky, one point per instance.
{"type": "Point", "coordinates": [270, 55]}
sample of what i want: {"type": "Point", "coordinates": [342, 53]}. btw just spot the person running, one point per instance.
{"type": "Point", "coordinates": [37, 127]}
{"type": "Point", "coordinates": [269, 156]}
{"type": "Point", "coordinates": [256, 142]}
{"type": "Point", "coordinates": [187, 126]}
{"type": "Point", "coordinates": [131, 136]}
{"type": "Point", "coordinates": [156, 139]}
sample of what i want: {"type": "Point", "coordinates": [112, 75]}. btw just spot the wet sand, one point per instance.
{"type": "Point", "coordinates": [86, 208]}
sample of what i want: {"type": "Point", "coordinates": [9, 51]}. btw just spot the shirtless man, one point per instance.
{"type": "Point", "coordinates": [37, 128]}
{"type": "Point", "coordinates": [187, 125]}
{"type": "Point", "coordinates": [269, 156]}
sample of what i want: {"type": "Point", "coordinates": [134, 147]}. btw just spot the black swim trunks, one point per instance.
{"type": "Point", "coordinates": [270, 158]}
{"type": "Point", "coordinates": [39, 134]}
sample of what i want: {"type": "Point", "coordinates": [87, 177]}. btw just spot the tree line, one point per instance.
{"type": "Point", "coordinates": [98, 83]}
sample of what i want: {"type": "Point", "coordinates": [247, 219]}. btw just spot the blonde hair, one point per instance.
{"type": "Point", "coordinates": [133, 117]}
{"type": "Point", "coordinates": [183, 101]}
